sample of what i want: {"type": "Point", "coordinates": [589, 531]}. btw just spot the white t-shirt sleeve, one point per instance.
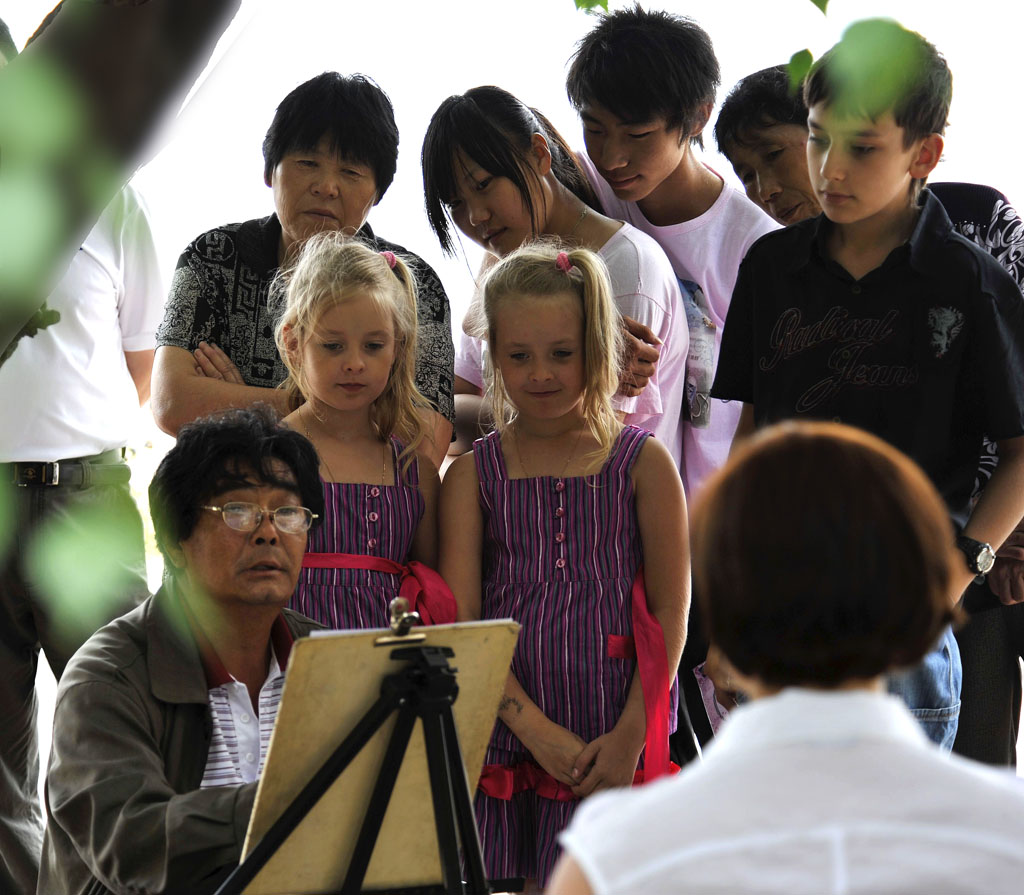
{"type": "Point", "coordinates": [141, 290]}
{"type": "Point", "coordinates": [651, 313]}
{"type": "Point", "coordinates": [469, 359]}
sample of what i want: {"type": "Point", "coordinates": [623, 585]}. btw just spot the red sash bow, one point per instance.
{"type": "Point", "coordinates": [427, 592]}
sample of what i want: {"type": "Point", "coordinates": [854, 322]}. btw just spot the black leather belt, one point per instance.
{"type": "Point", "coordinates": [107, 468]}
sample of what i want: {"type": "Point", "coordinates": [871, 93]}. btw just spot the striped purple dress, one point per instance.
{"type": "Point", "coordinates": [373, 520]}
{"type": "Point", "coordinates": [560, 556]}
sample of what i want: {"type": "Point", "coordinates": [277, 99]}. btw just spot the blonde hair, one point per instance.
{"type": "Point", "coordinates": [327, 271]}
{"type": "Point", "coordinates": [533, 270]}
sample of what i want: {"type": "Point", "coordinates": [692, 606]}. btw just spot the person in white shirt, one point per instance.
{"type": "Point", "coordinates": [72, 382]}
{"type": "Point", "coordinates": [840, 563]}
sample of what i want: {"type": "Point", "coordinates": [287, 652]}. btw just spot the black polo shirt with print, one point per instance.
{"type": "Point", "coordinates": [926, 351]}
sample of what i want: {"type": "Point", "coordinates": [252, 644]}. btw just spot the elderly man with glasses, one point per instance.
{"type": "Point", "coordinates": [164, 716]}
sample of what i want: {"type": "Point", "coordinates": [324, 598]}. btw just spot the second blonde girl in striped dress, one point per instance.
{"type": "Point", "coordinates": [575, 526]}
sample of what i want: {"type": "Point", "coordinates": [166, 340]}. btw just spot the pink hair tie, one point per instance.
{"type": "Point", "coordinates": [389, 257]}
{"type": "Point", "coordinates": [563, 263]}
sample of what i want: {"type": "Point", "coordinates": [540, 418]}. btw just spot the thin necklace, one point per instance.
{"type": "Point", "coordinates": [522, 466]}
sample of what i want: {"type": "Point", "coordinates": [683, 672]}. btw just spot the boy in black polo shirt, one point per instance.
{"type": "Point", "coordinates": [877, 314]}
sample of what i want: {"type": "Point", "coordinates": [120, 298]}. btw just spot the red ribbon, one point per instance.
{"type": "Point", "coordinates": [648, 645]}
{"type": "Point", "coordinates": [652, 665]}
{"type": "Point", "coordinates": [427, 592]}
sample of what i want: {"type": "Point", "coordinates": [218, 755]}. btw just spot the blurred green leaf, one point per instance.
{"type": "Point", "coordinates": [799, 64]}
{"type": "Point", "coordinates": [875, 64]}
{"type": "Point", "coordinates": [591, 5]}
{"type": "Point", "coordinates": [80, 563]}
{"type": "Point", "coordinates": [48, 155]}
{"type": "Point", "coordinates": [821, 4]}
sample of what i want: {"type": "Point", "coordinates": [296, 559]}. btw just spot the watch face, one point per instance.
{"type": "Point", "coordinates": [986, 559]}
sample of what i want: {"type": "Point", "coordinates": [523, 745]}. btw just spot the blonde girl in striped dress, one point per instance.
{"type": "Point", "coordinates": [575, 526]}
{"type": "Point", "coordinates": [348, 338]}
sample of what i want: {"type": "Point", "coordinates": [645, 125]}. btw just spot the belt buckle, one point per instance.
{"type": "Point", "coordinates": [26, 474]}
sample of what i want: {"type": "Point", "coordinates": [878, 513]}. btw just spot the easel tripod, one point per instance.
{"type": "Point", "coordinates": [424, 689]}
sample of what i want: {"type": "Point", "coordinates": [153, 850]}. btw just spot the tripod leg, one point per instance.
{"type": "Point", "coordinates": [472, 857]}
{"type": "Point", "coordinates": [379, 798]}
{"type": "Point", "coordinates": [441, 790]}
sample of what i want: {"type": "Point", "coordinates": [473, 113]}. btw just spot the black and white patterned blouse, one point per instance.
{"type": "Point", "coordinates": [986, 217]}
{"type": "Point", "coordinates": [221, 294]}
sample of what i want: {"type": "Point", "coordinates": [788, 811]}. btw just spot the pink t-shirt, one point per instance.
{"type": "Point", "coordinates": [646, 289]}
{"type": "Point", "coordinates": [706, 251]}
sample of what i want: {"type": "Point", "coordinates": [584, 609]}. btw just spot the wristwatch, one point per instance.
{"type": "Point", "coordinates": [980, 556]}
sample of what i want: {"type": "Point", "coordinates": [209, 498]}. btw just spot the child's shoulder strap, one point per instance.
{"type": "Point", "coordinates": [404, 477]}
{"type": "Point", "coordinates": [490, 461]}
{"type": "Point", "coordinates": [626, 449]}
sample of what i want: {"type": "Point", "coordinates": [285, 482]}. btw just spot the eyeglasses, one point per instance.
{"type": "Point", "coordinates": [243, 516]}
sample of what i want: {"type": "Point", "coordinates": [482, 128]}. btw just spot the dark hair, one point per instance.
{"type": "Point", "coordinates": [220, 452]}
{"type": "Point", "coordinates": [821, 554]}
{"type": "Point", "coordinates": [644, 65]}
{"type": "Point", "coordinates": [351, 111]}
{"type": "Point", "coordinates": [763, 99]}
{"type": "Point", "coordinates": [494, 129]}
{"type": "Point", "coordinates": [880, 66]}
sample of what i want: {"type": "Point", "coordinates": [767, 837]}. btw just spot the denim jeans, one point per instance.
{"type": "Point", "coordinates": [931, 690]}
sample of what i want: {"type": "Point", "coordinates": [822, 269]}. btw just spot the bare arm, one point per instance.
{"type": "Point", "coordinates": [424, 541]}
{"type": "Point", "coordinates": [461, 527]}
{"type": "Point", "coordinates": [439, 437]}
{"type": "Point", "coordinates": [182, 392]}
{"type": "Point", "coordinates": [140, 368]}
{"type": "Point", "coordinates": [465, 387]}
{"type": "Point", "coordinates": [745, 428]}
{"type": "Point", "coordinates": [999, 509]}
{"type": "Point", "coordinates": [661, 514]}
{"type": "Point", "coordinates": [472, 420]}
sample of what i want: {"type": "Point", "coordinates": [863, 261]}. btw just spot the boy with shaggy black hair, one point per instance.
{"type": "Point", "coordinates": [644, 84]}
{"type": "Point", "coordinates": [879, 315]}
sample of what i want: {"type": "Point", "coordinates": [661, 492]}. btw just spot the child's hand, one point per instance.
{"type": "Point", "coordinates": [609, 761]}
{"type": "Point", "coordinates": [213, 363]}
{"type": "Point", "coordinates": [557, 749]}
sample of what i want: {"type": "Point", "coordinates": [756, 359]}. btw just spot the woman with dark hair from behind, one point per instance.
{"type": "Point", "coordinates": [823, 559]}
{"type": "Point", "coordinates": [500, 172]}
